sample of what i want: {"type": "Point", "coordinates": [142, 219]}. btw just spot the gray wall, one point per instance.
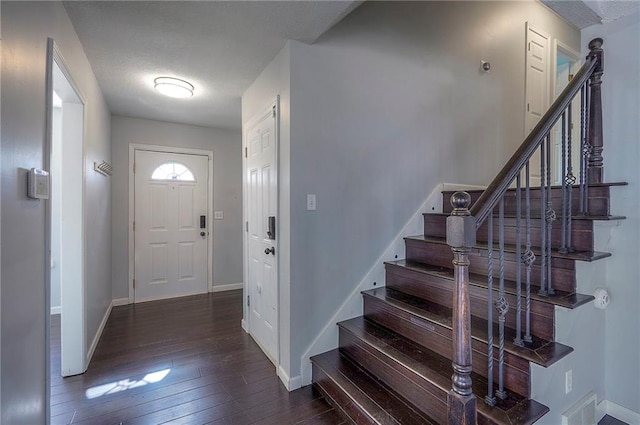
{"type": "Point", "coordinates": [273, 81]}
{"type": "Point", "coordinates": [25, 28]}
{"type": "Point", "coordinates": [227, 191]}
{"type": "Point", "coordinates": [621, 116]}
{"type": "Point", "coordinates": [386, 105]}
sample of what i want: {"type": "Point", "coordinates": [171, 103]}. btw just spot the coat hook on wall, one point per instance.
{"type": "Point", "coordinates": [103, 168]}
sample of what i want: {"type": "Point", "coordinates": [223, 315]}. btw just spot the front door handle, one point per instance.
{"type": "Point", "coordinates": [271, 250]}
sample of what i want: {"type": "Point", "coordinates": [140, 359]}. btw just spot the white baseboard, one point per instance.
{"type": "Point", "coordinates": [327, 339]}
{"type": "Point", "coordinates": [119, 301]}
{"type": "Point", "coordinates": [289, 383]}
{"type": "Point", "coordinates": [55, 310]}
{"type": "Point", "coordinates": [98, 334]}
{"type": "Point", "coordinates": [244, 325]}
{"type": "Point", "coordinates": [619, 412]}
{"type": "Point", "coordinates": [229, 287]}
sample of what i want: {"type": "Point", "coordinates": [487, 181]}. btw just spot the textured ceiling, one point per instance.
{"type": "Point", "coordinates": [590, 12]}
{"type": "Point", "coordinates": [220, 47]}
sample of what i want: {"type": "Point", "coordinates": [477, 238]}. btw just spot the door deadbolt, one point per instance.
{"type": "Point", "coordinates": [271, 250]}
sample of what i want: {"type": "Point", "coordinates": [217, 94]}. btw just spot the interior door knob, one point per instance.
{"type": "Point", "coordinates": [202, 234]}
{"type": "Point", "coordinates": [271, 250]}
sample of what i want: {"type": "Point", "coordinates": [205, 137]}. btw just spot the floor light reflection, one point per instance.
{"type": "Point", "coordinates": [126, 384]}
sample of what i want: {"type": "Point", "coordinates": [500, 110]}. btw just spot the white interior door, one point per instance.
{"type": "Point", "coordinates": [262, 255]}
{"type": "Point", "coordinates": [170, 238]}
{"type": "Point", "coordinates": [537, 85]}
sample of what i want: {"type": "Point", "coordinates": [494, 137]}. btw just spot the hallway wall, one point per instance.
{"type": "Point", "coordinates": [23, 301]}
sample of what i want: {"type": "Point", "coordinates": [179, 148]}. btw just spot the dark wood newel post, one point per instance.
{"type": "Point", "coordinates": [595, 166]}
{"type": "Point", "coordinates": [461, 236]}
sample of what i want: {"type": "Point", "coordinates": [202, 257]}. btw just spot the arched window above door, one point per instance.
{"type": "Point", "coordinates": [172, 171]}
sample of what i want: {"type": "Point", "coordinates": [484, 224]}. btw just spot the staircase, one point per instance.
{"type": "Point", "coordinates": [475, 295]}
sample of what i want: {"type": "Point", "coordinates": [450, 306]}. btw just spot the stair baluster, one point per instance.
{"type": "Point", "coordinates": [563, 166]}
{"type": "Point", "coordinates": [529, 256]}
{"type": "Point", "coordinates": [518, 338]}
{"type": "Point", "coordinates": [570, 179]}
{"type": "Point", "coordinates": [490, 399]}
{"type": "Point", "coordinates": [550, 217]}
{"type": "Point", "coordinates": [501, 305]}
{"type": "Point", "coordinates": [543, 235]}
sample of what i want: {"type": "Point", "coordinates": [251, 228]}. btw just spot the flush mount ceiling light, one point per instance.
{"type": "Point", "coordinates": [173, 87]}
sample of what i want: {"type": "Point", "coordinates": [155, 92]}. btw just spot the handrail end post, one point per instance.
{"type": "Point", "coordinates": [461, 237]}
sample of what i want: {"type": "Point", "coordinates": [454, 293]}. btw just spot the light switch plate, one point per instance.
{"type": "Point", "coordinates": [311, 202]}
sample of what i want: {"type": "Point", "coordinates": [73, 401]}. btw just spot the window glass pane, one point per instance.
{"type": "Point", "coordinates": [172, 171]}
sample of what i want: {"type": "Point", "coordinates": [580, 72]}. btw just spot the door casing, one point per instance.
{"type": "Point", "coordinates": [133, 147]}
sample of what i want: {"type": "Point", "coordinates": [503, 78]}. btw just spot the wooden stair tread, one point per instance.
{"type": "Point", "coordinates": [578, 255]}
{"type": "Point", "coordinates": [536, 222]}
{"type": "Point", "coordinates": [369, 394]}
{"type": "Point", "coordinates": [539, 351]}
{"type": "Point", "coordinates": [564, 299]}
{"type": "Point", "coordinates": [437, 370]}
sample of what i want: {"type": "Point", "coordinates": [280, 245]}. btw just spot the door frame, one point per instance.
{"type": "Point", "coordinates": [246, 325]}
{"type": "Point", "coordinates": [133, 147]}
{"type": "Point", "coordinates": [79, 350]}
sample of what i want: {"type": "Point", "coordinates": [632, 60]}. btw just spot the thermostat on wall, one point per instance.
{"type": "Point", "coordinates": [38, 184]}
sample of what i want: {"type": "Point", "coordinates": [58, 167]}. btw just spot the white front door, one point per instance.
{"type": "Point", "coordinates": [171, 225]}
{"type": "Point", "coordinates": [260, 141]}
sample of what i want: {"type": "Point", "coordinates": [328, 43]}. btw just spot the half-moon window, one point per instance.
{"type": "Point", "coordinates": [172, 171]}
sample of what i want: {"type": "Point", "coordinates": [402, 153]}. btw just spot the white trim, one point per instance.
{"type": "Point", "coordinates": [76, 309]}
{"type": "Point", "coordinates": [327, 338]}
{"type": "Point", "coordinates": [131, 240]}
{"type": "Point", "coordinates": [229, 287]}
{"type": "Point", "coordinates": [619, 412]}
{"type": "Point", "coordinates": [55, 310]}
{"type": "Point", "coordinates": [117, 302]}
{"type": "Point", "coordinates": [246, 325]}
{"type": "Point", "coordinates": [98, 334]}
{"type": "Point", "coordinates": [290, 384]}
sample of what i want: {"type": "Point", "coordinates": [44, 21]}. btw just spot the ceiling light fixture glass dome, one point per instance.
{"type": "Point", "coordinates": [173, 87]}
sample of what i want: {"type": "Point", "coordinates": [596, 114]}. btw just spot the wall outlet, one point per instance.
{"type": "Point", "coordinates": [568, 381]}
{"type": "Point", "coordinates": [311, 202]}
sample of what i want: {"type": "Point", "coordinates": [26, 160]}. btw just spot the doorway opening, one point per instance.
{"type": "Point", "coordinates": [64, 157]}
{"type": "Point", "coordinates": [567, 62]}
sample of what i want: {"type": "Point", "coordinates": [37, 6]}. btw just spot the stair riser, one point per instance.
{"type": "Point", "coordinates": [338, 399]}
{"type": "Point", "coordinates": [438, 339]}
{"type": "Point", "coordinates": [437, 254]}
{"type": "Point", "coordinates": [598, 201]}
{"type": "Point", "coordinates": [427, 397]}
{"type": "Point", "coordinates": [440, 290]}
{"type": "Point", "coordinates": [581, 232]}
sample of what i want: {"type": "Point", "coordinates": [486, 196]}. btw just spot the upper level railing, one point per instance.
{"type": "Point", "coordinates": [532, 245]}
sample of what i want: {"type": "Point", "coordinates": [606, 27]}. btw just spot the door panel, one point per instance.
{"type": "Point", "coordinates": [170, 254]}
{"type": "Point", "coordinates": [262, 203]}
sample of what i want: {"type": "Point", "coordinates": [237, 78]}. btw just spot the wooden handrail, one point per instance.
{"type": "Point", "coordinates": [490, 197]}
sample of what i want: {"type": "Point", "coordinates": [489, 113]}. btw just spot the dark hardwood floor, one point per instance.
{"type": "Point", "coordinates": [179, 361]}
